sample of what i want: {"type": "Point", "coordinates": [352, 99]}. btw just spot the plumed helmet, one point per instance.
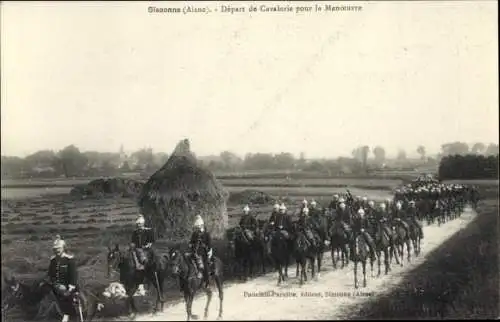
{"type": "Point", "coordinates": [140, 220]}
{"type": "Point", "coordinates": [305, 210]}
{"type": "Point", "coordinates": [382, 205]}
{"type": "Point", "coordinates": [361, 212]}
{"type": "Point", "coordinates": [342, 200]}
{"type": "Point", "coordinates": [246, 209]}
{"type": "Point", "coordinates": [276, 207]}
{"type": "Point", "coordinates": [313, 203]}
{"type": "Point", "coordinates": [304, 202]}
{"type": "Point", "coordinates": [198, 221]}
{"type": "Point", "coordinates": [59, 242]}
{"type": "Point", "coordinates": [335, 196]}
{"type": "Point", "coordinates": [371, 203]}
{"type": "Point", "coordinates": [365, 198]}
{"type": "Point", "coordinates": [342, 205]}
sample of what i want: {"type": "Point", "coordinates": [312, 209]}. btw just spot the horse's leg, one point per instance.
{"type": "Point", "coordinates": [314, 274]}
{"type": "Point", "coordinates": [332, 249]}
{"type": "Point", "coordinates": [408, 249]}
{"type": "Point", "coordinates": [208, 291]}
{"type": "Point", "coordinates": [187, 300]}
{"type": "Point", "coordinates": [218, 284]}
{"type": "Point", "coordinates": [371, 267]}
{"type": "Point", "coordinates": [386, 260]}
{"type": "Point", "coordinates": [132, 309]}
{"type": "Point", "coordinates": [379, 260]}
{"type": "Point", "coordinates": [319, 258]}
{"type": "Point", "coordinates": [355, 274]}
{"type": "Point", "coordinates": [297, 274]}
{"type": "Point", "coordinates": [364, 271]}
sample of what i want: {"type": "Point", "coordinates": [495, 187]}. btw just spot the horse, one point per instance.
{"type": "Point", "coordinates": [383, 244]}
{"type": "Point", "coordinates": [130, 277]}
{"type": "Point", "coordinates": [28, 298]}
{"type": "Point", "coordinates": [361, 253]}
{"type": "Point", "coordinates": [339, 239]}
{"type": "Point", "coordinates": [247, 247]}
{"type": "Point", "coordinates": [84, 304]}
{"type": "Point", "coordinates": [320, 227]}
{"type": "Point", "coordinates": [183, 267]}
{"type": "Point", "coordinates": [278, 246]}
{"type": "Point", "coordinates": [415, 237]}
{"type": "Point", "coordinates": [400, 238]}
{"type": "Point", "coordinates": [303, 252]}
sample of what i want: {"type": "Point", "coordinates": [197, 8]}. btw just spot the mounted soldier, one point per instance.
{"type": "Point", "coordinates": [398, 215]}
{"type": "Point", "coordinates": [303, 206]}
{"type": "Point", "coordinates": [318, 221]}
{"type": "Point", "coordinates": [370, 213]}
{"type": "Point", "coordinates": [276, 210]}
{"type": "Point", "coordinates": [360, 225]}
{"type": "Point", "coordinates": [201, 249]}
{"type": "Point", "coordinates": [248, 223]}
{"type": "Point", "coordinates": [411, 217]}
{"type": "Point", "coordinates": [334, 203]}
{"type": "Point", "coordinates": [142, 251]}
{"type": "Point", "coordinates": [63, 276]}
{"type": "Point", "coordinates": [303, 224]}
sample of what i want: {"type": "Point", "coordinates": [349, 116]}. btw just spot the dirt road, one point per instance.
{"type": "Point", "coordinates": [333, 296]}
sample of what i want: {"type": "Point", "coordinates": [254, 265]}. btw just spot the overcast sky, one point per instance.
{"type": "Point", "coordinates": [101, 75]}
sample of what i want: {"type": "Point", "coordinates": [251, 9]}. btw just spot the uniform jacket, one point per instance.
{"type": "Point", "coordinates": [344, 215]}
{"type": "Point", "coordinates": [359, 223]}
{"type": "Point", "coordinates": [249, 222]}
{"type": "Point", "coordinates": [142, 237]}
{"type": "Point", "coordinates": [411, 212]}
{"type": "Point", "coordinates": [200, 240]}
{"type": "Point", "coordinates": [62, 270]}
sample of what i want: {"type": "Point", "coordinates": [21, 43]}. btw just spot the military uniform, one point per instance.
{"type": "Point", "coordinates": [249, 225]}
{"type": "Point", "coordinates": [63, 276]}
{"type": "Point", "coordinates": [411, 217]}
{"type": "Point", "coordinates": [141, 237]}
{"type": "Point", "coordinates": [201, 244]}
{"type": "Point", "coordinates": [360, 225]}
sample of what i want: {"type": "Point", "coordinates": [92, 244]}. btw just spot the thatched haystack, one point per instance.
{"type": "Point", "coordinates": [179, 191]}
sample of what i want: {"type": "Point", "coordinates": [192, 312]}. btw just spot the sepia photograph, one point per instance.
{"type": "Point", "coordinates": [249, 160]}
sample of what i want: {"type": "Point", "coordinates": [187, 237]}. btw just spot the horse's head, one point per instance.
{"type": "Point", "coordinates": [175, 259]}
{"type": "Point", "coordinates": [113, 259]}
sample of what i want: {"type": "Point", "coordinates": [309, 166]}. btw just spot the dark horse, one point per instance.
{"type": "Point", "coordinates": [415, 237]}
{"type": "Point", "coordinates": [304, 252]}
{"type": "Point", "coordinates": [183, 267]}
{"type": "Point", "coordinates": [130, 277]}
{"type": "Point", "coordinates": [361, 254]}
{"type": "Point", "coordinates": [401, 238]}
{"type": "Point", "coordinates": [339, 240]}
{"type": "Point", "coordinates": [278, 243]}
{"type": "Point", "coordinates": [384, 244]}
{"type": "Point", "coordinates": [249, 249]}
{"type": "Point", "coordinates": [29, 297]}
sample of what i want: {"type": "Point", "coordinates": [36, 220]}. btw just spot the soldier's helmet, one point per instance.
{"type": "Point", "coordinates": [361, 212]}
{"type": "Point", "coordinates": [198, 222]}
{"type": "Point", "coordinates": [371, 203]}
{"type": "Point", "coordinates": [59, 243]}
{"type": "Point", "coordinates": [313, 203]}
{"type": "Point", "coordinates": [304, 202]}
{"type": "Point", "coordinates": [276, 207]}
{"type": "Point", "coordinates": [382, 206]}
{"type": "Point", "coordinates": [282, 207]}
{"type": "Point", "coordinates": [342, 205]}
{"type": "Point", "coordinates": [305, 211]}
{"type": "Point", "coordinates": [140, 220]}
{"type": "Point", "coordinates": [341, 200]}
{"type": "Point", "coordinates": [246, 209]}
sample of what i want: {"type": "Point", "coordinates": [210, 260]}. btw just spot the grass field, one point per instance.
{"type": "Point", "coordinates": [29, 222]}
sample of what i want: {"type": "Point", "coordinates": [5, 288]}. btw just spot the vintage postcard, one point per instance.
{"type": "Point", "coordinates": [251, 160]}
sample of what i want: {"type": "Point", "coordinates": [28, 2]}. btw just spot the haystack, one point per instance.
{"type": "Point", "coordinates": [179, 191]}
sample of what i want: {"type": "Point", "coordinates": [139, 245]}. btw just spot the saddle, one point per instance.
{"type": "Point", "coordinates": [403, 223]}
{"type": "Point", "coordinates": [248, 234]}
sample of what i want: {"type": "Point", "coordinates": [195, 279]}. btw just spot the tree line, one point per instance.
{"type": "Point", "coordinates": [71, 162]}
{"type": "Point", "coordinates": [469, 167]}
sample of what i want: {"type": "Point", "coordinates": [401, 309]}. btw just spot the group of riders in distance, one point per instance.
{"type": "Point", "coordinates": [353, 228]}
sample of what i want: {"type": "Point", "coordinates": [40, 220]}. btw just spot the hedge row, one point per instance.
{"type": "Point", "coordinates": [468, 167]}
